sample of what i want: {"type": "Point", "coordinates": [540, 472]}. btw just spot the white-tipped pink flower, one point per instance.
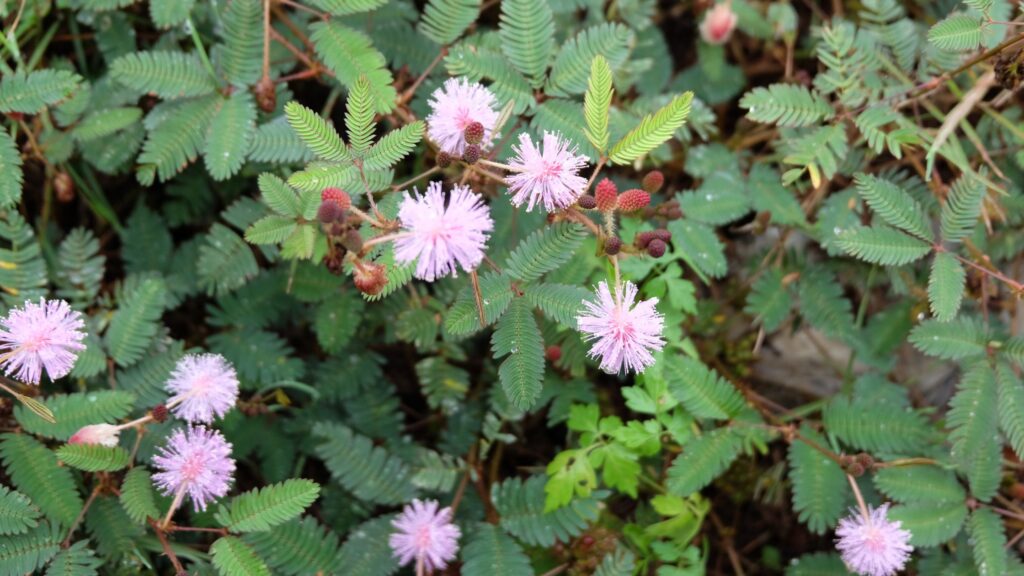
{"type": "Point", "coordinates": [102, 434]}
{"type": "Point", "coordinates": [426, 535]}
{"type": "Point", "coordinates": [197, 462]}
{"type": "Point", "coordinates": [442, 237]}
{"type": "Point", "coordinates": [623, 334]}
{"type": "Point", "coordinates": [41, 336]}
{"type": "Point", "coordinates": [205, 386]}
{"type": "Point", "coordinates": [873, 545]}
{"type": "Point", "coordinates": [548, 175]}
{"type": "Point", "coordinates": [718, 24]}
{"type": "Point", "coordinates": [454, 107]}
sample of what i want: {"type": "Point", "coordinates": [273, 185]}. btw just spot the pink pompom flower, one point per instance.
{"type": "Point", "coordinates": [442, 237]}
{"type": "Point", "coordinates": [718, 24]}
{"type": "Point", "coordinates": [624, 331]}
{"type": "Point", "coordinates": [41, 336]}
{"type": "Point", "coordinates": [102, 434]}
{"type": "Point", "coordinates": [456, 105]}
{"type": "Point", "coordinates": [548, 175]}
{"type": "Point", "coordinates": [872, 545]}
{"type": "Point", "coordinates": [205, 386]}
{"type": "Point", "coordinates": [425, 534]}
{"type": "Point", "coordinates": [197, 462]}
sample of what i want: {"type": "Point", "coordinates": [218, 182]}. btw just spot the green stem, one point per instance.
{"type": "Point", "coordinates": [862, 311]}
{"type": "Point", "coordinates": [202, 50]}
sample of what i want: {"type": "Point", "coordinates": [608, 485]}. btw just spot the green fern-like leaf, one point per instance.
{"type": "Point", "coordinates": [619, 562]}
{"type": "Point", "coordinates": [93, 457]}
{"type": "Point", "coordinates": [165, 74]}
{"type": "Point", "coordinates": [76, 560]}
{"type": "Point", "coordinates": [930, 523]}
{"type": "Point", "coordinates": [277, 143]}
{"type": "Point", "coordinates": [721, 199]}
{"type": "Point", "coordinates": [545, 250]}
{"type": "Point", "coordinates": [882, 245]}
{"type": "Point", "coordinates": [823, 304]}
{"type": "Point", "coordinates": [34, 470]}
{"type": "Point", "coordinates": [988, 541]}
{"type": "Point", "coordinates": [956, 33]}
{"type": "Point", "coordinates": [480, 62]}
{"type": "Point", "coordinates": [24, 276]}
{"type": "Point", "coordinates": [30, 92]}
{"type": "Point", "coordinates": [26, 553]}
{"type": "Point", "coordinates": [769, 300]}
{"type": "Point", "coordinates": [820, 494]}
{"type": "Point", "coordinates": [490, 552]}
{"type": "Point", "coordinates": [702, 460]}
{"type": "Point", "coordinates": [73, 411]}
{"type": "Point", "coordinates": [350, 55]}
{"type": "Point", "coordinates": [169, 13]}
{"type": "Point", "coordinates": [17, 513]}
{"type": "Point", "coordinates": [136, 321]}
{"type": "Point", "coordinates": [699, 246]}
{"type": "Point", "coordinates": [961, 338]}
{"type": "Point", "coordinates": [225, 261]}
{"type": "Point", "coordinates": [243, 42]}
{"type": "Point", "coordinates": [394, 146]}
{"type": "Point", "coordinates": [789, 105]}
{"type": "Point", "coordinates": [347, 7]}
{"type": "Point", "coordinates": [369, 472]}
{"type": "Point", "coordinates": [946, 286]}
{"type": "Point", "coordinates": [572, 67]}
{"type": "Point", "coordinates": [521, 507]}
{"type": "Point", "coordinates": [1011, 406]}
{"type": "Point", "coordinates": [366, 552]}
{"type": "Point", "coordinates": [894, 205]}
{"type": "Point", "coordinates": [233, 557]}
{"type": "Point", "coordinates": [318, 134]}
{"type": "Point", "coordinates": [962, 208]}
{"type": "Point", "coordinates": [527, 30]}
{"type": "Point", "coordinates": [230, 135]}
{"type": "Point", "coordinates": [111, 528]}
{"type": "Point", "coordinates": [11, 175]}
{"type": "Point", "coordinates": [359, 117]}
{"type": "Point", "coordinates": [271, 229]}
{"type": "Point", "coordinates": [445, 20]}
{"type": "Point", "coordinates": [297, 548]}
{"type": "Point", "coordinates": [261, 509]}
{"type": "Point", "coordinates": [137, 496]}
{"type": "Point", "coordinates": [654, 130]}
{"type": "Point", "coordinates": [517, 335]}
{"type": "Point", "coordinates": [876, 427]}
{"type": "Point", "coordinates": [701, 390]}
{"type": "Point", "coordinates": [597, 102]}
{"type": "Point", "coordinates": [106, 122]}
{"type": "Point", "coordinates": [81, 266]}
{"type": "Point", "coordinates": [973, 418]}
{"type": "Point", "coordinates": [560, 302]}
{"type": "Point", "coordinates": [817, 152]}
{"type": "Point", "coordinates": [817, 564]}
{"type": "Point", "coordinates": [496, 293]}
{"type": "Point", "coordinates": [176, 134]}
{"type": "Point", "coordinates": [919, 484]}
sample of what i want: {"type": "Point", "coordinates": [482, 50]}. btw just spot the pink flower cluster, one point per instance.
{"type": "Point", "coordinates": [455, 106]}
{"type": "Point", "coordinates": [546, 175]}
{"type": "Point", "coordinates": [44, 336]}
{"type": "Point", "coordinates": [425, 534]}
{"type": "Point", "coordinates": [204, 386]}
{"type": "Point", "coordinates": [196, 461]}
{"type": "Point", "coordinates": [624, 331]}
{"type": "Point", "coordinates": [873, 545]}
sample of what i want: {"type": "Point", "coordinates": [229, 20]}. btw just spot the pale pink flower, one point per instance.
{"type": "Point", "coordinates": [442, 237]}
{"type": "Point", "coordinates": [624, 334]}
{"type": "Point", "coordinates": [102, 434]}
{"type": "Point", "coordinates": [41, 336]}
{"type": "Point", "coordinates": [197, 462]}
{"type": "Point", "coordinates": [548, 176]}
{"type": "Point", "coordinates": [204, 386]}
{"type": "Point", "coordinates": [455, 106]}
{"type": "Point", "coordinates": [425, 534]}
{"type": "Point", "coordinates": [718, 24]}
{"type": "Point", "coordinates": [873, 546]}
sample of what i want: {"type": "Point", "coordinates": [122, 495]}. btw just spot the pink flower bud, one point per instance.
{"type": "Point", "coordinates": [718, 24]}
{"type": "Point", "coordinates": [102, 434]}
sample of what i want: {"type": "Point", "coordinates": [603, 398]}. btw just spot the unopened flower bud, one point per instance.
{"type": "Point", "coordinates": [866, 460]}
{"type": "Point", "coordinates": [633, 200]}
{"type": "Point", "coordinates": [653, 181]}
{"type": "Point", "coordinates": [328, 212]}
{"type": "Point", "coordinates": [352, 241]}
{"type": "Point", "coordinates": [656, 248]}
{"type": "Point", "coordinates": [855, 470]}
{"type": "Point", "coordinates": [338, 196]}
{"type": "Point", "coordinates": [474, 133]}
{"type": "Point", "coordinates": [64, 186]}
{"type": "Point", "coordinates": [102, 434]}
{"type": "Point", "coordinates": [553, 353]}
{"type": "Point", "coordinates": [471, 154]}
{"type": "Point", "coordinates": [606, 194]}
{"type": "Point", "coordinates": [612, 245]}
{"type": "Point", "coordinates": [443, 159]}
{"type": "Point", "coordinates": [370, 278]}
{"type": "Point", "coordinates": [266, 94]}
{"type": "Point", "coordinates": [643, 238]}
{"type": "Point", "coordinates": [587, 202]}
{"type": "Point", "coordinates": [662, 234]}
{"type": "Point", "coordinates": [159, 412]}
{"type": "Point", "coordinates": [718, 24]}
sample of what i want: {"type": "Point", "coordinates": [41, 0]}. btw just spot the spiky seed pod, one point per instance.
{"type": "Point", "coordinates": [370, 278]}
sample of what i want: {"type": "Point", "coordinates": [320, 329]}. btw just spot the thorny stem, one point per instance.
{"type": "Point", "coordinates": [420, 569]}
{"type": "Point", "coordinates": [81, 515]}
{"type": "Point", "coordinates": [162, 536]}
{"type": "Point", "coordinates": [1013, 284]}
{"type": "Point", "coordinates": [296, 5]}
{"type": "Point", "coordinates": [597, 170]}
{"type": "Point", "coordinates": [860, 499]}
{"type": "Point", "coordinates": [411, 90]}
{"type": "Point", "coordinates": [414, 179]}
{"type": "Point", "coordinates": [494, 164]}
{"type": "Point", "coordinates": [383, 238]}
{"type": "Point", "coordinates": [178, 497]}
{"type": "Point", "coordinates": [478, 296]}
{"type": "Point", "coordinates": [266, 41]}
{"type": "Point", "coordinates": [373, 221]}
